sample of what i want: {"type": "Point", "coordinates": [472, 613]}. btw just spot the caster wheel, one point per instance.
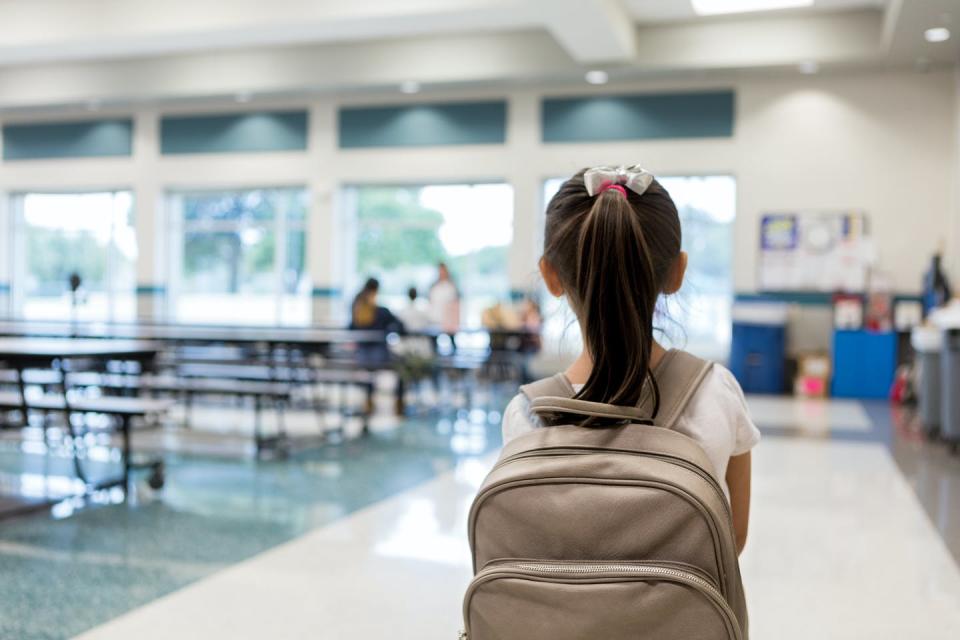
{"type": "Point", "coordinates": [157, 478]}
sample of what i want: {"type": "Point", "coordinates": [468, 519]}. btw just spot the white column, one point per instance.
{"type": "Point", "coordinates": [148, 218]}
{"type": "Point", "coordinates": [324, 253]}
{"type": "Point", "coordinates": [6, 229]}
{"type": "Point", "coordinates": [523, 141]}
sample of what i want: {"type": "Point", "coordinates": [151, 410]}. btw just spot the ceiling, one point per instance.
{"type": "Point", "coordinates": [56, 52]}
{"type": "Point", "coordinates": [654, 11]}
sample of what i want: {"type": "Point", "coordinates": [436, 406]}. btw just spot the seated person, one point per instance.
{"type": "Point", "coordinates": [367, 315]}
{"type": "Point", "coordinates": [413, 316]}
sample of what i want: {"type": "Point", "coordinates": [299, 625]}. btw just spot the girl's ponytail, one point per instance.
{"type": "Point", "coordinates": [618, 290]}
{"type": "Point", "coordinates": [613, 252]}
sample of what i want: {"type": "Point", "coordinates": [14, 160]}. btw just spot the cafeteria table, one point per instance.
{"type": "Point", "coordinates": [57, 354]}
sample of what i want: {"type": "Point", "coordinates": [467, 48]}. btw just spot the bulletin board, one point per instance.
{"type": "Point", "coordinates": [815, 251]}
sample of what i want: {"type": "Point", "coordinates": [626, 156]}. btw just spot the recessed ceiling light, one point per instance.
{"type": "Point", "coordinates": [410, 86]}
{"type": "Point", "coordinates": [597, 76]}
{"type": "Point", "coordinates": [716, 7]}
{"type": "Point", "coordinates": [808, 67]}
{"type": "Point", "coordinates": [937, 34]}
{"type": "Point", "coordinates": [243, 97]}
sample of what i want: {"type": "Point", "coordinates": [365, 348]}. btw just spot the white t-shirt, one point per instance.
{"type": "Point", "coordinates": [414, 318]}
{"type": "Point", "coordinates": [443, 298]}
{"type": "Point", "coordinates": [717, 418]}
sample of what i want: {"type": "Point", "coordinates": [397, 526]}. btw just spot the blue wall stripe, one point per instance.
{"type": "Point", "coordinates": [638, 117]}
{"type": "Point", "coordinates": [151, 289]}
{"type": "Point", "coordinates": [234, 133]}
{"type": "Point", "coordinates": [423, 125]}
{"type": "Point", "coordinates": [87, 139]}
{"type": "Point", "coordinates": [792, 297]}
{"type": "Point", "coordinates": [812, 298]}
{"type": "Point", "coordinates": [4, 287]}
{"type": "Point", "coordinates": [326, 292]}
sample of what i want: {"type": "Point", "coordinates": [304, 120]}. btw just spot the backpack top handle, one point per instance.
{"type": "Point", "coordinates": [678, 376]}
{"type": "Point", "coordinates": [549, 408]}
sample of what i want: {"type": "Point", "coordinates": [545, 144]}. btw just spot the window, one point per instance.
{"type": "Point", "coordinates": [698, 317]}
{"type": "Point", "coordinates": [57, 235]}
{"type": "Point", "coordinates": [402, 232]}
{"type": "Point", "coordinates": [238, 257]}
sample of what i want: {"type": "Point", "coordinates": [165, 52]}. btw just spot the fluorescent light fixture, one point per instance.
{"type": "Point", "coordinates": [245, 96]}
{"type": "Point", "coordinates": [716, 7]}
{"type": "Point", "coordinates": [410, 86]}
{"type": "Point", "coordinates": [808, 67]}
{"type": "Point", "coordinates": [937, 34]}
{"type": "Point", "coordinates": [597, 76]}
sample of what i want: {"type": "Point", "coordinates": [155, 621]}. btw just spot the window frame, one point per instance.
{"type": "Point", "coordinates": [348, 220]}
{"type": "Point", "coordinates": [175, 228]}
{"type": "Point", "coordinates": [17, 262]}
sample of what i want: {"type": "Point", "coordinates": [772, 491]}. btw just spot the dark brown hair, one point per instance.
{"type": "Point", "coordinates": [613, 254]}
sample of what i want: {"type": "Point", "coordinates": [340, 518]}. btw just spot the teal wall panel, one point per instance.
{"type": "Point", "coordinates": [86, 139]}
{"type": "Point", "coordinates": [234, 133]}
{"type": "Point", "coordinates": [424, 125]}
{"type": "Point", "coordinates": [638, 117]}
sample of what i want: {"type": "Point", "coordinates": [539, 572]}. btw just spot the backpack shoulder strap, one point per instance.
{"type": "Point", "coordinates": [556, 386]}
{"type": "Point", "coordinates": [679, 376]}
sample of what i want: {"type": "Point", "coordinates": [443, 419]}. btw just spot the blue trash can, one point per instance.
{"type": "Point", "coordinates": [758, 347]}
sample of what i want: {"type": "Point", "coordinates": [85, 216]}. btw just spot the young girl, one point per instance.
{"type": "Point", "coordinates": [612, 247]}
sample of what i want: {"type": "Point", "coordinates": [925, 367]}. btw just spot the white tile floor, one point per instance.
{"type": "Point", "coordinates": [817, 416]}
{"type": "Point", "coordinates": [840, 548]}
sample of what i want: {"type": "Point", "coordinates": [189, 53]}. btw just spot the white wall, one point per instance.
{"type": "Point", "coordinates": [881, 143]}
{"type": "Point", "coordinates": [884, 142]}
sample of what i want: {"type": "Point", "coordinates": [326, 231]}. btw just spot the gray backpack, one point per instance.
{"type": "Point", "coordinates": [605, 533]}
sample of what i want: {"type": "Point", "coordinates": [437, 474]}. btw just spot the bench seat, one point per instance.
{"type": "Point", "coordinates": [108, 405]}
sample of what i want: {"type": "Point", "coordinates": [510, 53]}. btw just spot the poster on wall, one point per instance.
{"type": "Point", "coordinates": [815, 251]}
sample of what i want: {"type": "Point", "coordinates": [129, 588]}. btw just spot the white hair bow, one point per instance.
{"type": "Point", "coordinates": [634, 178]}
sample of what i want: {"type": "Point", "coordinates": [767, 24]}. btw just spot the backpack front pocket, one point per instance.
{"type": "Point", "coordinates": [554, 600]}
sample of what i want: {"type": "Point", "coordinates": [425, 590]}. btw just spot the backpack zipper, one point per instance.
{"type": "Point", "coordinates": [586, 566]}
{"type": "Point", "coordinates": [544, 567]}
{"type": "Point", "coordinates": [560, 451]}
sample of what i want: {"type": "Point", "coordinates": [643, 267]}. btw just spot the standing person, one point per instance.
{"type": "Point", "coordinates": [612, 247]}
{"type": "Point", "coordinates": [936, 287]}
{"type": "Point", "coordinates": [444, 302]}
{"type": "Point", "coordinates": [414, 318]}
{"type": "Point", "coordinates": [621, 499]}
